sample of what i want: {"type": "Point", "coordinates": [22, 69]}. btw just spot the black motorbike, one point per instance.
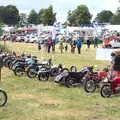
{"type": "Point", "coordinates": [71, 79]}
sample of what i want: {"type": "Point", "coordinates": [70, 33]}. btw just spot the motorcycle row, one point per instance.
{"type": "Point", "coordinates": [107, 79]}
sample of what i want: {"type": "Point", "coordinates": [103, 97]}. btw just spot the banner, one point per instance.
{"type": "Point", "coordinates": [104, 54]}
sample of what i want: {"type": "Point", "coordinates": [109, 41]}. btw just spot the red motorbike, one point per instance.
{"type": "Point", "coordinates": [111, 85]}
{"type": "Point", "coordinates": [93, 80]}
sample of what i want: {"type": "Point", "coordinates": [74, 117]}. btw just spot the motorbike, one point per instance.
{"type": "Point", "coordinates": [93, 80]}
{"type": "Point", "coordinates": [111, 85]}
{"type": "Point", "coordinates": [20, 67]}
{"type": "Point", "coordinates": [46, 72]}
{"type": "Point", "coordinates": [70, 79]}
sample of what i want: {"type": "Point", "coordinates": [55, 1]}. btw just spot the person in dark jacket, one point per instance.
{"type": "Point", "coordinates": [79, 45]}
{"type": "Point", "coordinates": [96, 42]}
{"type": "Point", "coordinates": [88, 43]}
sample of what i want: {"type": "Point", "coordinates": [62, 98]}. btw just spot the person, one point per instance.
{"type": "Point", "coordinates": [79, 45]}
{"type": "Point", "coordinates": [96, 42]}
{"type": "Point", "coordinates": [39, 46]}
{"type": "Point", "coordinates": [53, 45]}
{"type": "Point", "coordinates": [61, 47]}
{"type": "Point", "coordinates": [73, 46]}
{"type": "Point", "coordinates": [88, 43]}
{"type": "Point", "coordinates": [49, 45]}
{"type": "Point", "coordinates": [66, 47]}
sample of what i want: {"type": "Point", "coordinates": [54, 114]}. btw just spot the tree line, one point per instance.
{"type": "Point", "coordinates": [81, 15]}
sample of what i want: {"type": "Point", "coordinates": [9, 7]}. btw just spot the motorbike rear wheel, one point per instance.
{"type": "Point", "coordinates": [43, 76]}
{"type": "Point", "coordinates": [89, 86]}
{"type": "Point", "coordinates": [3, 97]}
{"type": "Point", "coordinates": [31, 73]}
{"type": "Point", "coordinates": [106, 91]}
{"type": "Point", "coordinates": [69, 82]}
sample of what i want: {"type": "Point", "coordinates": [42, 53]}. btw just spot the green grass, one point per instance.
{"type": "Point", "coordinates": [30, 99]}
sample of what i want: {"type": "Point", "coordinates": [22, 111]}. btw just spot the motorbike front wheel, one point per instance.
{"type": "Point", "coordinates": [69, 82]}
{"type": "Point", "coordinates": [43, 76]}
{"type": "Point", "coordinates": [90, 86]}
{"type": "Point", "coordinates": [106, 91]}
{"type": "Point", "coordinates": [3, 97]}
{"type": "Point", "coordinates": [19, 71]}
{"type": "Point", "coordinates": [54, 71]}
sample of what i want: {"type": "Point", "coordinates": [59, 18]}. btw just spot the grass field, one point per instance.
{"type": "Point", "coordinates": [30, 99]}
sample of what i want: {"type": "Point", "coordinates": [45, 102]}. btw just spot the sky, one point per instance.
{"type": "Point", "coordinates": [61, 7]}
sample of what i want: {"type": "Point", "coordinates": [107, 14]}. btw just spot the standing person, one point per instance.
{"type": "Point", "coordinates": [61, 47]}
{"type": "Point", "coordinates": [66, 47]}
{"type": "Point", "coordinates": [39, 46]}
{"type": "Point", "coordinates": [49, 45]}
{"type": "Point", "coordinates": [53, 45]}
{"type": "Point", "coordinates": [96, 42]}
{"type": "Point", "coordinates": [79, 45]}
{"type": "Point", "coordinates": [88, 43]}
{"type": "Point", "coordinates": [45, 46]}
{"type": "Point", "coordinates": [73, 46]}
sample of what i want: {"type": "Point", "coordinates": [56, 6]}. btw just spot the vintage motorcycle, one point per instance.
{"type": "Point", "coordinates": [111, 85]}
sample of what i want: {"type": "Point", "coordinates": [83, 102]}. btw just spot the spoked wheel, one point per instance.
{"type": "Point", "coordinates": [106, 91]}
{"type": "Point", "coordinates": [31, 73]}
{"type": "Point", "coordinates": [73, 69]}
{"type": "Point", "coordinates": [19, 71]}
{"type": "Point", "coordinates": [90, 86]}
{"type": "Point", "coordinates": [54, 71]}
{"type": "Point", "coordinates": [3, 98]}
{"type": "Point", "coordinates": [69, 82]}
{"type": "Point", "coordinates": [43, 76]}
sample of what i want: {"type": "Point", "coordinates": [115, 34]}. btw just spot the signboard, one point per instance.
{"type": "Point", "coordinates": [103, 54]}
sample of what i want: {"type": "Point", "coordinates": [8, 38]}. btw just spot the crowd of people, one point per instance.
{"type": "Point", "coordinates": [49, 45]}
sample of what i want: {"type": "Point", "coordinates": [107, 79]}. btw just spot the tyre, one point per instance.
{"type": "Point", "coordinates": [43, 76]}
{"type": "Point", "coordinates": [54, 71]}
{"type": "Point", "coordinates": [69, 82]}
{"type": "Point", "coordinates": [8, 63]}
{"type": "Point", "coordinates": [5, 61]}
{"type": "Point", "coordinates": [106, 91]}
{"type": "Point", "coordinates": [31, 73]}
{"type": "Point", "coordinates": [65, 70]}
{"type": "Point", "coordinates": [19, 71]}
{"type": "Point", "coordinates": [73, 69]}
{"type": "Point", "coordinates": [3, 98]}
{"type": "Point", "coordinates": [89, 86]}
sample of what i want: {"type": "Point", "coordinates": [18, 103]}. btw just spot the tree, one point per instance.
{"type": "Point", "coordinates": [116, 18]}
{"type": "Point", "coordinates": [2, 10]}
{"type": "Point", "coordinates": [33, 16]}
{"type": "Point", "coordinates": [80, 15]}
{"type": "Point", "coordinates": [10, 15]}
{"type": "Point", "coordinates": [1, 31]}
{"type": "Point", "coordinates": [46, 16]}
{"type": "Point", "coordinates": [23, 19]}
{"type": "Point", "coordinates": [104, 16]}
